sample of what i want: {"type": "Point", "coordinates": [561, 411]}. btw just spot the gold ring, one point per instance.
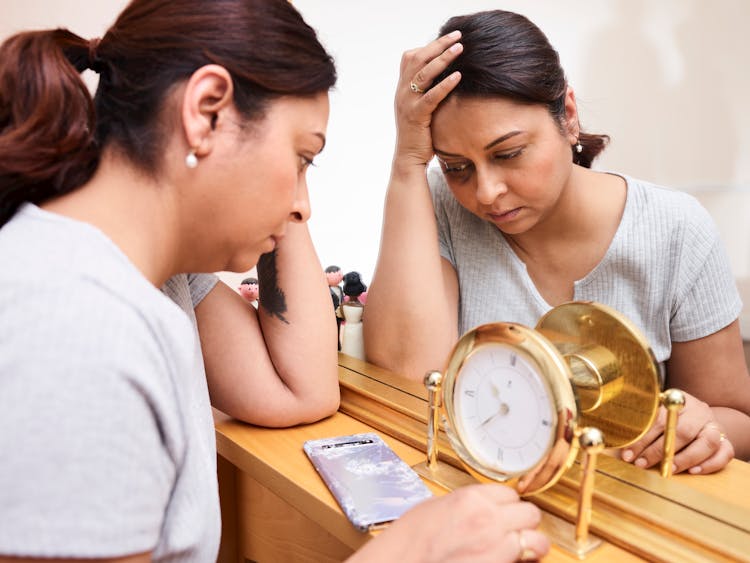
{"type": "Point", "coordinates": [525, 553]}
{"type": "Point", "coordinates": [416, 89]}
{"type": "Point", "coordinates": [715, 426]}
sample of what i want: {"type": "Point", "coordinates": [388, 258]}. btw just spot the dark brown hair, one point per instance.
{"type": "Point", "coordinates": [51, 134]}
{"type": "Point", "coordinates": [506, 55]}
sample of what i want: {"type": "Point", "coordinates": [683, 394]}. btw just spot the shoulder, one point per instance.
{"type": "Point", "coordinates": [200, 285]}
{"type": "Point", "coordinates": [670, 213]}
{"type": "Point", "coordinates": [110, 322]}
{"type": "Point", "coordinates": [188, 290]}
{"type": "Point", "coordinates": [113, 324]}
{"type": "Point", "coordinates": [674, 206]}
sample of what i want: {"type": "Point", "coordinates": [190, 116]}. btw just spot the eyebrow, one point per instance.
{"type": "Point", "coordinates": [486, 147]}
{"type": "Point", "coordinates": [502, 138]}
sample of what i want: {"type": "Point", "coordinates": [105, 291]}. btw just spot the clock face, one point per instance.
{"type": "Point", "coordinates": [504, 410]}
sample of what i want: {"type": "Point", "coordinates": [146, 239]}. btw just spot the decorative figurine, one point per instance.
{"type": "Point", "coordinates": [334, 275]}
{"type": "Point", "coordinates": [352, 342]}
{"type": "Point", "coordinates": [354, 288]}
{"type": "Point", "coordinates": [249, 290]}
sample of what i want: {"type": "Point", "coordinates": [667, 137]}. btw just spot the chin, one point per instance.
{"type": "Point", "coordinates": [240, 264]}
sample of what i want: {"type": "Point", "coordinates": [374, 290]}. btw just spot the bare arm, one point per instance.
{"type": "Point", "coordinates": [712, 370]}
{"type": "Point", "coordinates": [411, 317]}
{"type": "Point", "coordinates": [274, 369]}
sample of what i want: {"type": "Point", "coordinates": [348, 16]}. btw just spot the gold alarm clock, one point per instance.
{"type": "Point", "coordinates": [515, 400]}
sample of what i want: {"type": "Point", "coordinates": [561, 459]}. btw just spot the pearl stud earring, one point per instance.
{"type": "Point", "coordinates": [191, 161]}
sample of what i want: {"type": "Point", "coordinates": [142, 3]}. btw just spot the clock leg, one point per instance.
{"type": "Point", "coordinates": [673, 400]}
{"type": "Point", "coordinates": [443, 474]}
{"type": "Point", "coordinates": [592, 443]}
{"type": "Point", "coordinates": [432, 381]}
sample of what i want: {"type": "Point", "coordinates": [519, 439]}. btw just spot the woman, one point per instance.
{"type": "Point", "coordinates": [103, 381]}
{"type": "Point", "coordinates": [514, 222]}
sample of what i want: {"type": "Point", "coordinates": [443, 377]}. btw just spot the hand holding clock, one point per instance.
{"type": "Point", "coordinates": [700, 441]}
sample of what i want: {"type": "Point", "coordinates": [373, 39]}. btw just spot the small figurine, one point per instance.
{"type": "Point", "coordinates": [249, 290]}
{"type": "Point", "coordinates": [353, 287]}
{"type": "Point", "coordinates": [334, 275]}
{"type": "Point", "coordinates": [352, 342]}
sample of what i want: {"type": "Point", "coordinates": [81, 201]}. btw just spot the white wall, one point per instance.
{"type": "Point", "coordinates": [667, 79]}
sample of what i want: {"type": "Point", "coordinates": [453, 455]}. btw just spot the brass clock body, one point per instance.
{"type": "Point", "coordinates": [515, 398]}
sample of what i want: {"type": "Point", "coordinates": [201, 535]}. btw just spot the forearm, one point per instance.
{"type": "Point", "coordinates": [410, 322]}
{"type": "Point", "coordinates": [301, 338]}
{"type": "Point", "coordinates": [713, 370]}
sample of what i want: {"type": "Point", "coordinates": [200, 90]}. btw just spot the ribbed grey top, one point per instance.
{"type": "Point", "coordinates": [666, 268]}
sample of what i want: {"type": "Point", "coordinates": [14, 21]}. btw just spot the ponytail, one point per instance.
{"type": "Point", "coordinates": [592, 145]}
{"type": "Point", "coordinates": [47, 124]}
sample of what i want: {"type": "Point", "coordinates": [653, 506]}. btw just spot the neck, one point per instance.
{"type": "Point", "coordinates": [574, 218]}
{"type": "Point", "coordinates": [136, 212]}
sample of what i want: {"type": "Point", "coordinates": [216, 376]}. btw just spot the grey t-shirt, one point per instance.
{"type": "Point", "coordinates": [106, 439]}
{"type": "Point", "coordinates": [666, 268]}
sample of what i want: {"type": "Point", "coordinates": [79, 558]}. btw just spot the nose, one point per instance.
{"type": "Point", "coordinates": [301, 209]}
{"type": "Point", "coordinates": [489, 187]}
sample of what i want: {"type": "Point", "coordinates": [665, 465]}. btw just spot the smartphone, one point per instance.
{"type": "Point", "coordinates": [372, 485]}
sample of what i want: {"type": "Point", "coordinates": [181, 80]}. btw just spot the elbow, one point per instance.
{"type": "Point", "coordinates": [288, 406]}
{"type": "Point", "coordinates": [379, 349]}
{"type": "Point", "coordinates": [327, 407]}
{"type": "Point", "coordinates": [391, 354]}
{"type": "Point", "coordinates": [322, 403]}
{"type": "Point", "coordinates": [306, 411]}
{"type": "Point", "coordinates": [311, 410]}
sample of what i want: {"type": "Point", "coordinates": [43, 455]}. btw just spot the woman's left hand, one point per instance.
{"type": "Point", "coordinates": [700, 441]}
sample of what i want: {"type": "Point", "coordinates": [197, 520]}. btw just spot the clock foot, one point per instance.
{"type": "Point", "coordinates": [562, 534]}
{"type": "Point", "coordinates": [444, 475]}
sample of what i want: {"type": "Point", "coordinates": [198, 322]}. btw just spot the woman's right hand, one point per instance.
{"type": "Point", "coordinates": [477, 523]}
{"type": "Point", "coordinates": [417, 97]}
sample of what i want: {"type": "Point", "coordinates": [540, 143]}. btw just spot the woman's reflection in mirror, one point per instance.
{"type": "Point", "coordinates": [492, 202]}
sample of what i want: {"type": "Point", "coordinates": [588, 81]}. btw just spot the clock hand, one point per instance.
{"type": "Point", "coordinates": [488, 419]}
{"type": "Point", "coordinates": [502, 411]}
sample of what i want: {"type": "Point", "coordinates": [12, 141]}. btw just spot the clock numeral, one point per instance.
{"type": "Point", "coordinates": [545, 422]}
{"type": "Point", "coordinates": [513, 359]}
{"type": "Point", "coordinates": [500, 455]}
{"type": "Point", "coordinates": [469, 392]}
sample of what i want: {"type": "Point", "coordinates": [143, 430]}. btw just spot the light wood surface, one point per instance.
{"type": "Point", "coordinates": [275, 507]}
{"type": "Point", "coordinates": [284, 510]}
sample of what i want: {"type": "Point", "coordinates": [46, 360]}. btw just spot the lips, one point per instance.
{"type": "Point", "coordinates": [505, 216]}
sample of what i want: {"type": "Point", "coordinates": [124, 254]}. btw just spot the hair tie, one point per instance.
{"type": "Point", "coordinates": [94, 61]}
